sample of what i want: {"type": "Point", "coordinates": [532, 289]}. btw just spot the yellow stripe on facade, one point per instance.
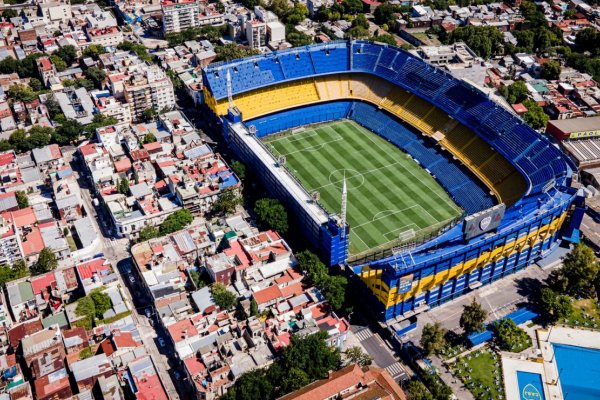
{"type": "Point", "coordinates": [372, 277]}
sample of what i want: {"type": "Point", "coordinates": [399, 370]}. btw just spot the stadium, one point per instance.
{"type": "Point", "coordinates": [417, 182]}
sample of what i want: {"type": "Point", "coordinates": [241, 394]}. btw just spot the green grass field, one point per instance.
{"type": "Point", "coordinates": [390, 197]}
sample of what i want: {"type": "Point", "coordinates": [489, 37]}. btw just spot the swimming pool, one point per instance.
{"type": "Point", "coordinates": [530, 386]}
{"type": "Point", "coordinates": [579, 371]}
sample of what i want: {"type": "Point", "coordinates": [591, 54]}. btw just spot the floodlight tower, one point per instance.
{"type": "Point", "coordinates": [229, 95]}
{"type": "Point", "coordinates": [344, 206]}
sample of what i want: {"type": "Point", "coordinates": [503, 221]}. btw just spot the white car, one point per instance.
{"type": "Point", "coordinates": [161, 342]}
{"type": "Point", "coordinates": [131, 279]}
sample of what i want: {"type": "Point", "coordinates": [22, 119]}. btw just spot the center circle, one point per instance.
{"type": "Point", "coordinates": [354, 179]}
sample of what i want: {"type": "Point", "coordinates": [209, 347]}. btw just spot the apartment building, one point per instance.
{"type": "Point", "coordinates": [179, 15]}
{"type": "Point", "coordinates": [151, 88]}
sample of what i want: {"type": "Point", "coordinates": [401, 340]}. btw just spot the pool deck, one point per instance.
{"type": "Point", "coordinates": [542, 361]}
{"type": "Point", "coordinates": [512, 362]}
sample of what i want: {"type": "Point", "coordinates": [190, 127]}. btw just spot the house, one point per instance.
{"type": "Point", "coordinates": [43, 351]}
{"type": "Point", "coordinates": [87, 372]}
{"type": "Point", "coordinates": [351, 382]}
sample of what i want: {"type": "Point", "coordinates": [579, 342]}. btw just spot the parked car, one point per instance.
{"type": "Point", "coordinates": [161, 342]}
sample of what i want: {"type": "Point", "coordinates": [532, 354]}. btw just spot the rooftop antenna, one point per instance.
{"type": "Point", "coordinates": [229, 96]}
{"type": "Point", "coordinates": [344, 205]}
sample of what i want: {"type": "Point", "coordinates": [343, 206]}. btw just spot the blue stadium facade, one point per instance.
{"type": "Point", "coordinates": [402, 284]}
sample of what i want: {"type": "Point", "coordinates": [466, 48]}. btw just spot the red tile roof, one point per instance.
{"type": "Point", "coordinates": [42, 282]}
{"type": "Point", "coordinates": [267, 295]}
{"type": "Point", "coordinates": [181, 330]}
{"type": "Point", "coordinates": [95, 266]}
{"type": "Point", "coordinates": [150, 388]}
{"type": "Point", "coordinates": [194, 366]}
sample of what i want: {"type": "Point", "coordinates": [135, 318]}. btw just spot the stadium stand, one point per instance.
{"type": "Point", "coordinates": [435, 118]}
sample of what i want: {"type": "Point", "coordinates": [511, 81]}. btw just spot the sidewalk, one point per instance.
{"type": "Point", "coordinates": [459, 390]}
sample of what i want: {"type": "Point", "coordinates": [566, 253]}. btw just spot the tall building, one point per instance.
{"type": "Point", "coordinates": [147, 88]}
{"type": "Point", "coordinates": [179, 15]}
{"type": "Point", "coordinates": [256, 33]}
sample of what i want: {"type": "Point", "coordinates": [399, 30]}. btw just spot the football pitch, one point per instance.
{"type": "Point", "coordinates": [391, 198]}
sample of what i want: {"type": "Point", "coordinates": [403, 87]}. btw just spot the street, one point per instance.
{"type": "Point", "coordinates": [116, 251]}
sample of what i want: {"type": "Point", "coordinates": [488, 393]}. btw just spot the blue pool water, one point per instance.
{"type": "Point", "coordinates": [579, 371]}
{"type": "Point", "coordinates": [530, 386]}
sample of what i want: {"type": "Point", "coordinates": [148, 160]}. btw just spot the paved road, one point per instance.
{"type": "Point", "coordinates": [382, 355]}
{"type": "Point", "coordinates": [499, 299]}
{"type": "Point", "coordinates": [116, 251]}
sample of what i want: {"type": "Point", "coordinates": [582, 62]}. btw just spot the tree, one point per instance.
{"type": "Point", "coordinates": [68, 132]}
{"type": "Point", "coordinates": [485, 41]}
{"type": "Point", "coordinates": [253, 308]}
{"type": "Point", "coordinates": [297, 38]}
{"type": "Point", "coordinates": [432, 338]}
{"type": "Point", "coordinates": [334, 290]}
{"type": "Point", "coordinates": [472, 317]}
{"type": "Point", "coordinates": [271, 214]}
{"type": "Point", "coordinates": [94, 51]}
{"type": "Point", "coordinates": [139, 49]}
{"type": "Point", "coordinates": [250, 3]}
{"type": "Point", "coordinates": [223, 298]}
{"type": "Point", "coordinates": [418, 391]}
{"type": "Point", "coordinates": [22, 93]}
{"type": "Point", "coordinates": [509, 337]}
{"type": "Point", "coordinates": [294, 380]}
{"type": "Point", "coordinates": [10, 65]}
{"type": "Point", "coordinates": [239, 168]}
{"type": "Point", "coordinates": [384, 14]}
{"type": "Point", "coordinates": [312, 267]}
{"type": "Point", "coordinates": [227, 202]}
{"type": "Point", "coordinates": [389, 39]}
{"type": "Point", "coordinates": [232, 51]}
{"type": "Point", "coordinates": [553, 306]}
{"type": "Point", "coordinates": [85, 353]}
{"type": "Point", "coordinates": [588, 39]}
{"type": "Point", "coordinates": [102, 302]}
{"type": "Point", "coordinates": [280, 8]}
{"type": "Point", "coordinates": [46, 262]}
{"type": "Point", "coordinates": [86, 307]}
{"type": "Point", "coordinates": [20, 269]}
{"type": "Point", "coordinates": [9, 13]}
{"type": "Point", "coordinates": [53, 106]}
{"type": "Point", "coordinates": [36, 85]}
{"type": "Point", "coordinates": [67, 53]}
{"type": "Point", "coordinates": [551, 70]}
{"type": "Point", "coordinates": [580, 272]}
{"type": "Point", "coordinates": [96, 75]}
{"type": "Point", "coordinates": [312, 355]}
{"type": "Point", "coordinates": [535, 115]}
{"type": "Point", "coordinates": [176, 221]}
{"type": "Point", "coordinates": [58, 62]}
{"type": "Point", "coordinates": [360, 20]}
{"type": "Point", "coordinates": [147, 233]}
{"type": "Point", "coordinates": [516, 92]}
{"type": "Point", "coordinates": [355, 355]}
{"type": "Point", "coordinates": [149, 114]}
{"type": "Point", "coordinates": [149, 138]}
{"type": "Point", "coordinates": [123, 186]}
{"type": "Point", "coordinates": [352, 6]}
{"type": "Point", "coordinates": [22, 200]}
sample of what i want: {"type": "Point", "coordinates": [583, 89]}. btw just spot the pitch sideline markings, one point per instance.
{"type": "Point", "coordinates": [411, 173]}
{"type": "Point", "coordinates": [373, 224]}
{"type": "Point", "coordinates": [363, 173]}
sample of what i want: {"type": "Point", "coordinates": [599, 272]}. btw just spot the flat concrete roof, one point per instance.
{"type": "Point", "coordinates": [576, 124]}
